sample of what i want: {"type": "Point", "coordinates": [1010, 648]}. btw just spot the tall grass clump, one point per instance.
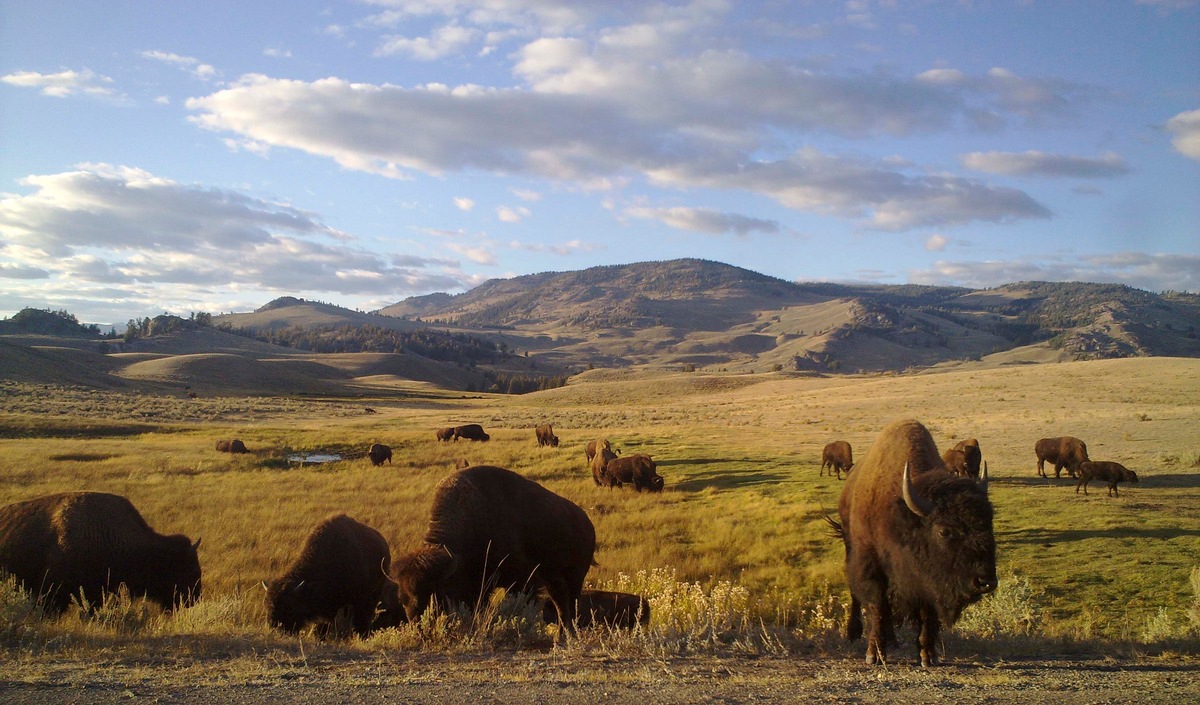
{"type": "Point", "coordinates": [1012, 610]}
{"type": "Point", "coordinates": [19, 615]}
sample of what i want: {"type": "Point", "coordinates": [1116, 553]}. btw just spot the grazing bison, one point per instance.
{"type": "Point", "coordinates": [1105, 470]}
{"type": "Point", "coordinates": [445, 434]}
{"type": "Point", "coordinates": [234, 446]}
{"type": "Point", "coordinates": [379, 453]}
{"type": "Point", "coordinates": [341, 567]}
{"type": "Point", "coordinates": [964, 458]}
{"type": "Point", "coordinates": [1065, 451]}
{"type": "Point", "coordinates": [918, 539]}
{"type": "Point", "coordinates": [489, 527]}
{"type": "Point", "coordinates": [471, 432]}
{"type": "Point", "coordinates": [837, 456]}
{"type": "Point", "coordinates": [617, 610]}
{"type": "Point", "coordinates": [90, 543]}
{"type": "Point", "coordinates": [598, 463]}
{"type": "Point", "coordinates": [592, 446]}
{"type": "Point", "coordinates": [637, 470]}
{"type": "Point", "coordinates": [545, 436]}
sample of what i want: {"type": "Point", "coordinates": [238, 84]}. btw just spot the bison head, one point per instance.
{"type": "Point", "coordinates": [420, 576]}
{"type": "Point", "coordinates": [291, 604]}
{"type": "Point", "coordinates": [1128, 475]}
{"type": "Point", "coordinates": [175, 581]}
{"type": "Point", "coordinates": [949, 531]}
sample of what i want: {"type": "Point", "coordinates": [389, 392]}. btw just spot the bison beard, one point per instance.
{"type": "Point", "coordinates": [90, 543]}
{"type": "Point", "coordinates": [491, 528]}
{"type": "Point", "coordinates": [919, 541]}
{"type": "Point", "coordinates": [342, 567]}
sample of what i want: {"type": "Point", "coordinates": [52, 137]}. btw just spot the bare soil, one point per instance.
{"type": "Point", "coordinates": [546, 678]}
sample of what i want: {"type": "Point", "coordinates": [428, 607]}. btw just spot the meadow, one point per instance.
{"type": "Point", "coordinates": [735, 554]}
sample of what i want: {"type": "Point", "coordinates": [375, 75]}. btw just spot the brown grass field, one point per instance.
{"type": "Point", "coordinates": [735, 554]}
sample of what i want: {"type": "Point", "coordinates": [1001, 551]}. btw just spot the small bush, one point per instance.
{"type": "Point", "coordinates": [1012, 610]}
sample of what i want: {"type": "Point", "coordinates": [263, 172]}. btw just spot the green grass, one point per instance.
{"type": "Point", "coordinates": [740, 524]}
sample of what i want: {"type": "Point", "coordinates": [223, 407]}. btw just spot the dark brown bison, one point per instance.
{"type": "Point", "coordinates": [617, 610]}
{"type": "Point", "coordinates": [445, 434]}
{"type": "Point", "coordinates": [369, 410]}
{"type": "Point", "coordinates": [964, 458]}
{"type": "Point", "coordinates": [471, 432]}
{"type": "Point", "coordinates": [1065, 451]}
{"type": "Point", "coordinates": [88, 544]}
{"type": "Point", "coordinates": [637, 470]}
{"type": "Point", "coordinates": [234, 446]}
{"type": "Point", "coordinates": [545, 436]}
{"type": "Point", "coordinates": [590, 450]}
{"type": "Point", "coordinates": [489, 527]}
{"type": "Point", "coordinates": [379, 454]}
{"type": "Point", "coordinates": [342, 567]}
{"type": "Point", "coordinates": [837, 456]}
{"type": "Point", "coordinates": [1105, 470]}
{"type": "Point", "coordinates": [598, 463]}
{"type": "Point", "coordinates": [919, 540]}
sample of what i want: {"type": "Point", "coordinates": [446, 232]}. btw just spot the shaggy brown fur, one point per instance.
{"type": "Point", "coordinates": [1107, 471]}
{"type": "Point", "coordinates": [637, 470]}
{"type": "Point", "coordinates": [617, 610]}
{"type": "Point", "coordinates": [379, 453]}
{"type": "Point", "coordinates": [545, 436]}
{"type": "Point", "coordinates": [837, 456]}
{"type": "Point", "coordinates": [1065, 452]}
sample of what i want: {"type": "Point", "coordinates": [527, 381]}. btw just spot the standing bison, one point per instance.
{"type": "Point", "coordinates": [837, 456]}
{"type": "Point", "coordinates": [491, 528]}
{"type": "Point", "coordinates": [445, 434]}
{"type": "Point", "coordinates": [89, 544]}
{"type": "Point", "coordinates": [964, 458]}
{"type": "Point", "coordinates": [637, 470]}
{"type": "Point", "coordinates": [545, 436]}
{"type": "Point", "coordinates": [1065, 451]}
{"type": "Point", "coordinates": [342, 567]}
{"type": "Point", "coordinates": [599, 456]}
{"type": "Point", "coordinates": [471, 432]}
{"type": "Point", "coordinates": [379, 454]}
{"type": "Point", "coordinates": [919, 541]}
{"type": "Point", "coordinates": [234, 446]}
{"type": "Point", "coordinates": [594, 446]}
{"type": "Point", "coordinates": [1109, 472]}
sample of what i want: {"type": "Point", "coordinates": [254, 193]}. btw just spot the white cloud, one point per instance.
{"type": "Point", "coordinates": [277, 53]}
{"type": "Point", "coordinates": [193, 65]}
{"type": "Point", "coordinates": [1034, 163]}
{"type": "Point", "coordinates": [936, 243]}
{"type": "Point", "coordinates": [526, 195]}
{"type": "Point", "coordinates": [564, 249]}
{"type": "Point", "coordinates": [445, 41]}
{"type": "Point", "coordinates": [1186, 130]}
{"type": "Point", "coordinates": [464, 204]}
{"type": "Point", "coordinates": [127, 228]}
{"type": "Point", "coordinates": [512, 215]}
{"type": "Point", "coordinates": [477, 253]}
{"type": "Point", "coordinates": [1152, 272]}
{"type": "Point", "coordinates": [63, 83]}
{"type": "Point", "coordinates": [705, 220]}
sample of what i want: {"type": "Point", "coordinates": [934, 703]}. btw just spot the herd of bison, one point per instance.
{"type": "Point", "coordinates": [916, 524]}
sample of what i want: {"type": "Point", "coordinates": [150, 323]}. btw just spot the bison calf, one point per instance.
{"type": "Point", "coordinates": [379, 453]}
{"type": "Point", "coordinates": [617, 610]}
{"type": "Point", "coordinates": [342, 567]}
{"type": "Point", "coordinates": [234, 446]}
{"type": "Point", "coordinates": [837, 456]}
{"type": "Point", "coordinates": [1105, 470]}
{"type": "Point", "coordinates": [89, 544]}
{"type": "Point", "coordinates": [445, 434]}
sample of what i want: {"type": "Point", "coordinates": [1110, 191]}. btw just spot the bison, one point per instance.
{"type": "Point", "coordinates": [637, 470]}
{"type": "Point", "coordinates": [919, 541]}
{"type": "Point", "coordinates": [545, 436]}
{"type": "Point", "coordinates": [342, 567]}
{"type": "Point", "coordinates": [1105, 470]}
{"type": "Point", "coordinates": [379, 454]}
{"type": "Point", "coordinates": [88, 544]}
{"type": "Point", "coordinates": [234, 446]}
{"type": "Point", "coordinates": [445, 434]}
{"type": "Point", "coordinates": [471, 432]}
{"type": "Point", "coordinates": [592, 446]}
{"type": "Point", "coordinates": [964, 458]}
{"type": "Point", "coordinates": [461, 463]}
{"type": "Point", "coordinates": [1065, 451]}
{"type": "Point", "coordinates": [837, 456]}
{"type": "Point", "coordinates": [616, 610]}
{"type": "Point", "coordinates": [598, 462]}
{"type": "Point", "coordinates": [491, 528]}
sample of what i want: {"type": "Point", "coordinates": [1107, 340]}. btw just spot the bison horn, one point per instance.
{"type": "Point", "coordinates": [196, 545]}
{"type": "Point", "coordinates": [916, 503]}
{"type": "Point", "coordinates": [983, 481]}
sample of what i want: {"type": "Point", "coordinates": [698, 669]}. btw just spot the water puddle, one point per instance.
{"type": "Point", "coordinates": [313, 458]}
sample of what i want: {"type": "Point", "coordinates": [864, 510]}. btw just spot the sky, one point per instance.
{"type": "Point", "coordinates": [163, 157]}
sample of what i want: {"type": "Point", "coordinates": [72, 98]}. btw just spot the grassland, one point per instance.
{"type": "Point", "coordinates": [737, 536]}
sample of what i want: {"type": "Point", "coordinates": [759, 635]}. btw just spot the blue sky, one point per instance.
{"type": "Point", "coordinates": [213, 156]}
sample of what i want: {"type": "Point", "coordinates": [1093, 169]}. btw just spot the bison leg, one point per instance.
{"type": "Point", "coordinates": [564, 603]}
{"type": "Point", "coordinates": [928, 637]}
{"type": "Point", "coordinates": [879, 619]}
{"type": "Point", "coordinates": [1058, 469]}
{"type": "Point", "coordinates": [854, 625]}
{"type": "Point", "coordinates": [1042, 467]}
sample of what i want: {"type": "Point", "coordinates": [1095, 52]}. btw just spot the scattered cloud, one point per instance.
{"type": "Point", "coordinates": [704, 220]}
{"type": "Point", "coordinates": [463, 203]}
{"type": "Point", "coordinates": [444, 41]}
{"type": "Point", "coordinates": [936, 243]}
{"type": "Point", "coordinates": [125, 227]}
{"type": "Point", "coordinates": [526, 195]}
{"type": "Point", "coordinates": [62, 84]}
{"type": "Point", "coordinates": [563, 248]}
{"type": "Point", "coordinates": [277, 53]}
{"type": "Point", "coordinates": [205, 72]}
{"type": "Point", "coordinates": [479, 253]}
{"type": "Point", "coordinates": [1185, 128]}
{"type": "Point", "coordinates": [1034, 163]}
{"type": "Point", "coordinates": [1152, 272]}
{"type": "Point", "coordinates": [512, 215]}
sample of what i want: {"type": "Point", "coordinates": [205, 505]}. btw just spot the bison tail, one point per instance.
{"type": "Point", "coordinates": [838, 530]}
